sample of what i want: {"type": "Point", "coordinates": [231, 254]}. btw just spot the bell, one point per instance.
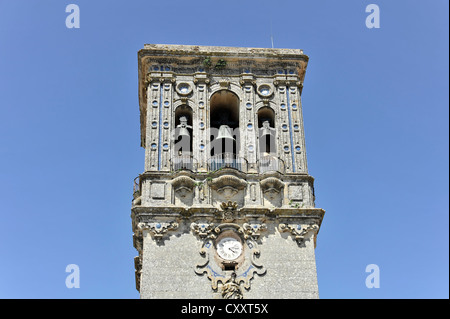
{"type": "Point", "coordinates": [183, 128]}
{"type": "Point", "coordinates": [266, 129]}
{"type": "Point", "coordinates": [183, 132]}
{"type": "Point", "coordinates": [225, 132]}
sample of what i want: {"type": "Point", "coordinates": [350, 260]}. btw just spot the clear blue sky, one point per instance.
{"type": "Point", "coordinates": [375, 106]}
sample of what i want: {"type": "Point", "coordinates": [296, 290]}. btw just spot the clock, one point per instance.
{"type": "Point", "coordinates": [229, 248]}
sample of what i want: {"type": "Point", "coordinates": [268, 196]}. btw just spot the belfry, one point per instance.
{"type": "Point", "coordinates": [225, 206]}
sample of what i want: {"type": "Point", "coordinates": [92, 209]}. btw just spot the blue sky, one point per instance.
{"type": "Point", "coordinates": [375, 106]}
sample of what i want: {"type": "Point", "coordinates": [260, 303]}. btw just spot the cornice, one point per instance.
{"type": "Point", "coordinates": [198, 50]}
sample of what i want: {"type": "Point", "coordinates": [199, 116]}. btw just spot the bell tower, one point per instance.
{"type": "Point", "coordinates": [225, 205]}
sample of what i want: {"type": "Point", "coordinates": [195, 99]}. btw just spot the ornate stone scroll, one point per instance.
{"type": "Point", "coordinates": [202, 229]}
{"type": "Point", "coordinates": [298, 231]}
{"type": "Point", "coordinates": [231, 289]}
{"type": "Point", "coordinates": [253, 230]}
{"type": "Point", "coordinates": [158, 229]}
{"type": "Point", "coordinates": [244, 268]}
{"type": "Point", "coordinates": [272, 186]}
{"type": "Point", "coordinates": [228, 212]}
{"type": "Point", "coordinates": [228, 185]}
{"type": "Point", "coordinates": [183, 185]}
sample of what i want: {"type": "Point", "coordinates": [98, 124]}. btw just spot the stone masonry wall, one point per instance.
{"type": "Point", "coordinates": [168, 267]}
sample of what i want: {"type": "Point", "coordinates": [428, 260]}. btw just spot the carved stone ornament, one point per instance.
{"type": "Point", "coordinates": [231, 289]}
{"type": "Point", "coordinates": [148, 79]}
{"type": "Point", "coordinates": [203, 230]}
{"type": "Point", "coordinates": [138, 271]}
{"type": "Point", "coordinates": [230, 206]}
{"type": "Point", "coordinates": [224, 83]}
{"type": "Point", "coordinates": [136, 198]}
{"type": "Point", "coordinates": [201, 78]}
{"type": "Point", "coordinates": [271, 186]}
{"type": "Point", "coordinates": [253, 230]}
{"type": "Point", "coordinates": [227, 185]}
{"type": "Point", "coordinates": [244, 267]}
{"type": "Point", "coordinates": [158, 229]}
{"type": "Point", "coordinates": [183, 185]}
{"type": "Point", "coordinates": [138, 242]}
{"type": "Point", "coordinates": [228, 212]}
{"type": "Point", "coordinates": [298, 231]}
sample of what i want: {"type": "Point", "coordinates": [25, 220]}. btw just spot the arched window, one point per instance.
{"type": "Point", "coordinates": [183, 130]}
{"type": "Point", "coordinates": [224, 123]}
{"type": "Point", "coordinates": [266, 131]}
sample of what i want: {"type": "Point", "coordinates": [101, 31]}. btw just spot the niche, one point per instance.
{"type": "Point", "coordinates": [266, 131]}
{"type": "Point", "coordinates": [224, 124]}
{"type": "Point", "coordinates": [183, 131]}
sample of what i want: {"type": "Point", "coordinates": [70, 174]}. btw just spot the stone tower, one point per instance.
{"type": "Point", "coordinates": [225, 205]}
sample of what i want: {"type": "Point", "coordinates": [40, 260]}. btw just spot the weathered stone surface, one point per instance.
{"type": "Point", "coordinates": [262, 196]}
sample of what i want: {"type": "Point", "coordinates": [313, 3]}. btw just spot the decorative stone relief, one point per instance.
{"type": "Point", "coordinates": [231, 289]}
{"type": "Point", "coordinates": [229, 211]}
{"type": "Point", "coordinates": [158, 229]}
{"type": "Point", "coordinates": [183, 185]}
{"type": "Point", "coordinates": [298, 231]}
{"type": "Point", "coordinates": [224, 83]}
{"type": "Point", "coordinates": [229, 205]}
{"type": "Point", "coordinates": [202, 230]}
{"type": "Point", "coordinates": [253, 230]}
{"type": "Point", "coordinates": [228, 275]}
{"type": "Point", "coordinates": [228, 185]}
{"type": "Point", "coordinates": [136, 199]}
{"type": "Point", "coordinates": [272, 187]}
{"type": "Point", "coordinates": [137, 242]}
{"type": "Point", "coordinates": [201, 78]}
{"type": "Point", "coordinates": [138, 271]}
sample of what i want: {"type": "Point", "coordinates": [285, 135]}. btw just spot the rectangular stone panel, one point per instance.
{"type": "Point", "coordinates": [295, 192]}
{"type": "Point", "coordinates": [158, 190]}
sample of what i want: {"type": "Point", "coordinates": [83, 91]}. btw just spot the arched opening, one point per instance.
{"type": "Point", "coordinates": [183, 130]}
{"type": "Point", "coordinates": [224, 123]}
{"type": "Point", "coordinates": [182, 156]}
{"type": "Point", "coordinates": [266, 131]}
{"type": "Point", "coordinates": [224, 130]}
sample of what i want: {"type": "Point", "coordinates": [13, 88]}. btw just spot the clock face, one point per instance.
{"type": "Point", "coordinates": [229, 248]}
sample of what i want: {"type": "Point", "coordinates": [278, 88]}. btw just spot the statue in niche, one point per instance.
{"type": "Point", "coordinates": [231, 289]}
